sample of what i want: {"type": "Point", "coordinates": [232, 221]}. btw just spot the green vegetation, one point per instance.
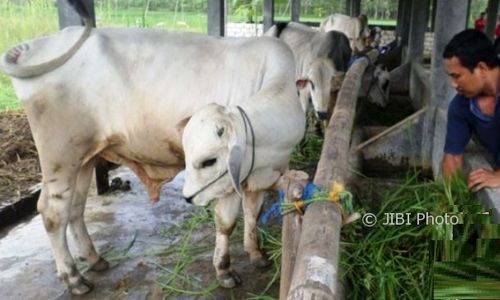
{"type": "Point", "coordinates": [196, 245]}
{"type": "Point", "coordinates": [20, 23]}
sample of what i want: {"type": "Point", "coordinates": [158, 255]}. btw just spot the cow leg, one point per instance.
{"type": "Point", "coordinates": [226, 212]}
{"type": "Point", "coordinates": [54, 206]}
{"type": "Point", "coordinates": [77, 223]}
{"type": "Point", "coordinates": [252, 204]}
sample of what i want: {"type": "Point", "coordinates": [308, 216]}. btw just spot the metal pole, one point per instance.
{"type": "Point", "coordinates": [295, 10]}
{"type": "Point", "coordinates": [268, 14]}
{"type": "Point", "coordinates": [69, 17]}
{"type": "Point", "coordinates": [450, 19]}
{"type": "Point", "coordinates": [216, 14]}
{"type": "Point", "coordinates": [418, 26]}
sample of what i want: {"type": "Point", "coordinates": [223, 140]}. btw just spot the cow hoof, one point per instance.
{"type": "Point", "coordinates": [262, 262]}
{"type": "Point", "coordinates": [229, 280]}
{"type": "Point", "coordinates": [100, 265]}
{"type": "Point", "coordinates": [81, 287]}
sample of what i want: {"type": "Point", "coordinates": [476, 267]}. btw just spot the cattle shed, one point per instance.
{"type": "Point", "coordinates": [346, 145]}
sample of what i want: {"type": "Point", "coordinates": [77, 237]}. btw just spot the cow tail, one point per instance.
{"type": "Point", "coordinates": [9, 61]}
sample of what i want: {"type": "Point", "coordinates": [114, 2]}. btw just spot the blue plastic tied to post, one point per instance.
{"type": "Point", "coordinates": [275, 210]}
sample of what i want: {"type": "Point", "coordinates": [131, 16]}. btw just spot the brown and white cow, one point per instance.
{"type": "Point", "coordinates": [119, 94]}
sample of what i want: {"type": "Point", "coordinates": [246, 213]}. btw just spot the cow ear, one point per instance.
{"type": "Point", "coordinates": [236, 146]}
{"type": "Point", "coordinates": [302, 83]}
{"type": "Point", "coordinates": [234, 166]}
{"type": "Point", "coordinates": [182, 124]}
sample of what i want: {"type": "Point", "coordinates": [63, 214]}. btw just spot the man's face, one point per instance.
{"type": "Point", "coordinates": [467, 83]}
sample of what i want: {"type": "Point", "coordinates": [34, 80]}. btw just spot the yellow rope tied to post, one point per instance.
{"type": "Point", "coordinates": [299, 206]}
{"type": "Point", "coordinates": [337, 195]}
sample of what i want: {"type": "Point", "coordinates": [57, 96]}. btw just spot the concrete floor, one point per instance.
{"type": "Point", "coordinates": [27, 269]}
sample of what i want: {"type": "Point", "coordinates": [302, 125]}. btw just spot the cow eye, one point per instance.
{"type": "Point", "coordinates": [208, 163]}
{"type": "Point", "coordinates": [312, 85]}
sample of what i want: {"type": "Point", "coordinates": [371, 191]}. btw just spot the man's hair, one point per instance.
{"type": "Point", "coordinates": [471, 47]}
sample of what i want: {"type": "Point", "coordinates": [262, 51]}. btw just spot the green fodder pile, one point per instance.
{"type": "Point", "coordinates": [418, 260]}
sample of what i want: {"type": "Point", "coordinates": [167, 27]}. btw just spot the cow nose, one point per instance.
{"type": "Point", "coordinates": [189, 199]}
{"type": "Point", "coordinates": [322, 115]}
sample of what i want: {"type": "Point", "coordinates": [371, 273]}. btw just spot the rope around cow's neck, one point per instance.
{"type": "Point", "coordinates": [246, 120]}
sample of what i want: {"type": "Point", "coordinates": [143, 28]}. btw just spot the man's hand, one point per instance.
{"type": "Point", "coordinates": [481, 178]}
{"type": "Point", "coordinates": [451, 164]}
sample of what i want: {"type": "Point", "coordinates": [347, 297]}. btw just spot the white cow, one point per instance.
{"type": "Point", "coordinates": [234, 152]}
{"type": "Point", "coordinates": [355, 28]}
{"type": "Point", "coordinates": [119, 94]}
{"type": "Point", "coordinates": [319, 58]}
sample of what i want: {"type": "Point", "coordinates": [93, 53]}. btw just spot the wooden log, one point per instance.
{"type": "Point", "coordinates": [316, 273]}
{"type": "Point", "coordinates": [333, 164]}
{"type": "Point", "coordinates": [292, 183]}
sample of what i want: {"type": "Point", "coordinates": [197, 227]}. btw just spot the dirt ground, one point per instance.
{"type": "Point", "coordinates": [19, 167]}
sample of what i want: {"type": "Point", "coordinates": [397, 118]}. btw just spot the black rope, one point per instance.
{"type": "Point", "coordinates": [246, 120]}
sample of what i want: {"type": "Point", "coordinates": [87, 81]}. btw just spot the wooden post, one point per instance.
{"type": "Point", "coordinates": [292, 183]}
{"type": "Point", "coordinates": [335, 154]}
{"type": "Point", "coordinates": [316, 272]}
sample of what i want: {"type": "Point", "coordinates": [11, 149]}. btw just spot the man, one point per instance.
{"type": "Point", "coordinates": [472, 64]}
{"type": "Point", "coordinates": [480, 23]}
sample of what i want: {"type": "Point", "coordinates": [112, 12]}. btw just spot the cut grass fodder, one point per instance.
{"type": "Point", "coordinates": [194, 249]}
{"type": "Point", "coordinates": [389, 261]}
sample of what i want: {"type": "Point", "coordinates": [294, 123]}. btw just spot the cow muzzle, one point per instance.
{"type": "Point", "coordinates": [189, 199]}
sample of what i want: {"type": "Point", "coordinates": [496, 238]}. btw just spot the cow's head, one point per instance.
{"type": "Point", "coordinates": [374, 38]}
{"type": "Point", "coordinates": [317, 85]}
{"type": "Point", "coordinates": [375, 85]}
{"type": "Point", "coordinates": [214, 147]}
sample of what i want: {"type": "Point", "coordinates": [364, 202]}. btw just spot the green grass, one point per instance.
{"type": "Point", "coordinates": [176, 279]}
{"type": "Point", "coordinates": [21, 23]}
{"type": "Point", "coordinates": [417, 261]}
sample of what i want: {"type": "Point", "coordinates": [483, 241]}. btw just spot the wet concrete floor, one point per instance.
{"type": "Point", "coordinates": [132, 234]}
{"type": "Point", "coordinates": [115, 221]}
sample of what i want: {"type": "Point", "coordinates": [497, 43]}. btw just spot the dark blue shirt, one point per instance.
{"type": "Point", "coordinates": [466, 119]}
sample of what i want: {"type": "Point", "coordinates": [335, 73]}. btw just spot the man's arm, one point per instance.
{"type": "Point", "coordinates": [452, 163]}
